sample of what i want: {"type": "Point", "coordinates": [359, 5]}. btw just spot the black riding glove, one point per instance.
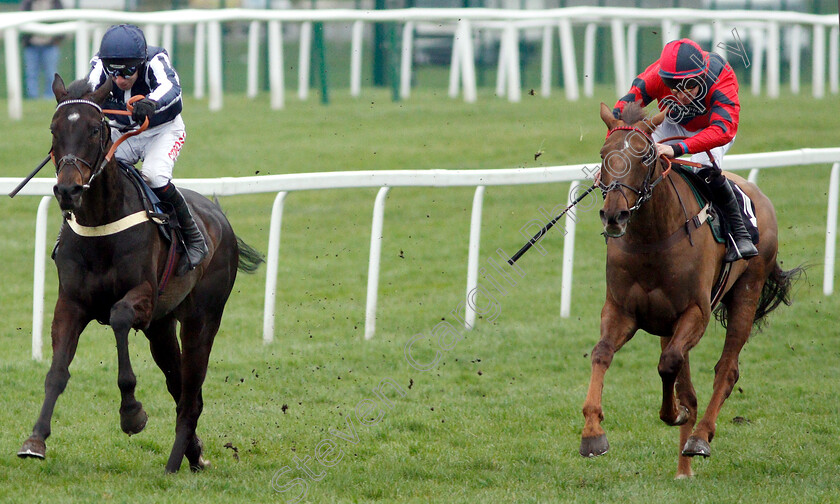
{"type": "Point", "coordinates": [143, 109]}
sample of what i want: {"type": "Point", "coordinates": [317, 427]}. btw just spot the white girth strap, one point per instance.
{"type": "Point", "coordinates": [110, 228]}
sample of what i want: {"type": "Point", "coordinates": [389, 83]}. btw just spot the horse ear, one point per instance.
{"type": "Point", "coordinates": [607, 116]}
{"type": "Point", "coordinates": [649, 124]}
{"type": "Point", "coordinates": [102, 93]}
{"type": "Point", "coordinates": [58, 88]}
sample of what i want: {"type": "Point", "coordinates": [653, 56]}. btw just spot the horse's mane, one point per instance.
{"type": "Point", "coordinates": [632, 113]}
{"type": "Point", "coordinates": [78, 89]}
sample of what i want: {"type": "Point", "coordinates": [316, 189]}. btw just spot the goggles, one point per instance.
{"type": "Point", "coordinates": [123, 71]}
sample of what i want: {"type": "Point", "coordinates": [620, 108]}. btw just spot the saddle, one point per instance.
{"type": "Point", "coordinates": [718, 224]}
{"type": "Point", "coordinates": [159, 212]}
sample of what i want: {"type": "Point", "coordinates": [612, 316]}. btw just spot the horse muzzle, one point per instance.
{"type": "Point", "coordinates": [68, 196]}
{"type": "Point", "coordinates": [615, 222]}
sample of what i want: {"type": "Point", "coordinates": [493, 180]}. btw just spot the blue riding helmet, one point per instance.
{"type": "Point", "coordinates": [123, 46]}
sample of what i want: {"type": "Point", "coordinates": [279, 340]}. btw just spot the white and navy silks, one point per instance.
{"type": "Point", "coordinates": [158, 147]}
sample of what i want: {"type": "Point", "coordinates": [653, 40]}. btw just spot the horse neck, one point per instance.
{"type": "Point", "coordinates": [110, 197]}
{"type": "Point", "coordinates": [658, 217]}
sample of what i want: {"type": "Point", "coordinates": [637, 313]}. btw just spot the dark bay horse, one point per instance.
{"type": "Point", "coordinates": [113, 276]}
{"type": "Point", "coordinates": [660, 280]}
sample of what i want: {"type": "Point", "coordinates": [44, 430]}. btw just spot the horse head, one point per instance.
{"type": "Point", "coordinates": [629, 165]}
{"type": "Point", "coordinates": [80, 139]}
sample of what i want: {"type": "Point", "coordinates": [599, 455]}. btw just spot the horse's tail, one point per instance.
{"type": "Point", "coordinates": [249, 257]}
{"type": "Point", "coordinates": [776, 290]}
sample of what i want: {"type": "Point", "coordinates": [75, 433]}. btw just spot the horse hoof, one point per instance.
{"type": "Point", "coordinates": [683, 416]}
{"type": "Point", "coordinates": [33, 448]}
{"type": "Point", "coordinates": [201, 465]}
{"type": "Point", "coordinates": [134, 423]}
{"type": "Point", "coordinates": [696, 446]}
{"type": "Point", "coordinates": [594, 446]}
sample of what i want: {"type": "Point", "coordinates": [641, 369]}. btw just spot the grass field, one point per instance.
{"type": "Point", "coordinates": [498, 418]}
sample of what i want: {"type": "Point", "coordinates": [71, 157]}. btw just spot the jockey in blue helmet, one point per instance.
{"type": "Point", "coordinates": [140, 70]}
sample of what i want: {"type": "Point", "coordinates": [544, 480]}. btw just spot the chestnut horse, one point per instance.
{"type": "Point", "coordinates": [660, 280]}
{"type": "Point", "coordinates": [113, 276]}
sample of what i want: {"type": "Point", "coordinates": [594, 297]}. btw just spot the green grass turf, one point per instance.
{"type": "Point", "coordinates": [498, 419]}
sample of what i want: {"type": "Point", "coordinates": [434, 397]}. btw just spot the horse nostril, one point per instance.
{"type": "Point", "coordinates": [603, 216]}
{"type": "Point", "coordinates": [76, 190]}
{"type": "Point", "coordinates": [68, 192]}
{"type": "Point", "coordinates": [623, 217]}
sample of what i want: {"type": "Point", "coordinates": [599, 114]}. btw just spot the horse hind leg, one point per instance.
{"type": "Point", "coordinates": [133, 309]}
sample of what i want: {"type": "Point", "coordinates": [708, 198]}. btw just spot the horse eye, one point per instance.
{"type": "Point", "coordinates": [94, 131]}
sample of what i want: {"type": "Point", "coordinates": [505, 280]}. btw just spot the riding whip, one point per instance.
{"type": "Point", "coordinates": [548, 226]}
{"type": "Point", "coordinates": [29, 177]}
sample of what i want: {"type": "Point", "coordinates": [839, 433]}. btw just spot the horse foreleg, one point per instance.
{"type": "Point", "coordinates": [687, 332]}
{"type": "Point", "coordinates": [133, 310]}
{"type": "Point", "coordinates": [68, 323]}
{"type": "Point", "coordinates": [741, 313]}
{"type": "Point", "coordinates": [616, 330]}
{"type": "Point", "coordinates": [688, 398]}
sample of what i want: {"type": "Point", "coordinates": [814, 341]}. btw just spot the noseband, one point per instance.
{"type": "Point", "coordinates": [74, 161]}
{"type": "Point", "coordinates": [645, 192]}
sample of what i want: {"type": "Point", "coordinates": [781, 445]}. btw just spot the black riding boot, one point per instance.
{"type": "Point", "coordinates": [724, 198]}
{"type": "Point", "coordinates": [193, 239]}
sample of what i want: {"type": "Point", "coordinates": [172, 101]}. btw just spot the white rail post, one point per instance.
{"type": "Point", "coordinates": [200, 59]}
{"type": "Point", "coordinates": [513, 79]}
{"type": "Point", "coordinates": [271, 264]}
{"type": "Point", "coordinates": [253, 70]}
{"type": "Point", "coordinates": [753, 176]}
{"type": "Point", "coordinates": [773, 59]}
{"type": "Point", "coordinates": [795, 57]}
{"type": "Point", "coordinates": [589, 59]}
{"type": "Point", "coordinates": [83, 42]}
{"type": "Point", "coordinates": [276, 80]}
{"type": "Point", "coordinates": [455, 65]}
{"type": "Point", "coordinates": [356, 48]}
{"type": "Point", "coordinates": [304, 57]}
{"type": "Point", "coordinates": [501, 66]}
{"type": "Point", "coordinates": [632, 52]}
{"type": "Point", "coordinates": [670, 31]}
{"type": "Point", "coordinates": [38, 278]}
{"type": "Point", "coordinates": [818, 65]}
{"type": "Point", "coordinates": [567, 51]}
{"type": "Point", "coordinates": [831, 230]}
{"type": "Point", "coordinates": [468, 62]}
{"type": "Point", "coordinates": [14, 88]}
{"type": "Point", "coordinates": [618, 57]}
{"type": "Point", "coordinates": [373, 265]}
{"type": "Point", "coordinates": [545, 67]}
{"type": "Point", "coordinates": [757, 40]}
{"type": "Point", "coordinates": [472, 261]}
{"type": "Point", "coordinates": [406, 57]}
{"type": "Point", "coordinates": [834, 60]}
{"type": "Point", "coordinates": [167, 36]}
{"type": "Point", "coordinates": [214, 64]}
{"type": "Point", "coordinates": [568, 255]}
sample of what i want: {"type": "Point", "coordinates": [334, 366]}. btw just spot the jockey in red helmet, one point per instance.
{"type": "Point", "coordinates": [700, 92]}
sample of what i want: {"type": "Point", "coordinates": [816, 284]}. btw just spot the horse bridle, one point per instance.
{"type": "Point", "coordinates": [645, 192]}
{"type": "Point", "coordinates": [105, 135]}
{"type": "Point", "coordinates": [74, 161]}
